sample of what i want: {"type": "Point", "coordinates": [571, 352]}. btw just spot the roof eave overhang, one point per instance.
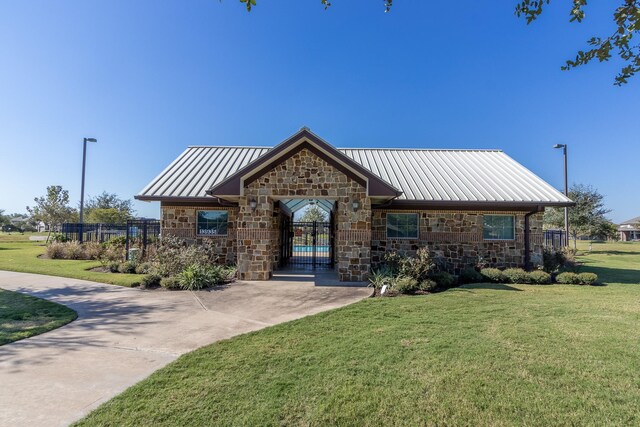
{"type": "Point", "coordinates": [527, 206]}
{"type": "Point", "coordinates": [234, 184]}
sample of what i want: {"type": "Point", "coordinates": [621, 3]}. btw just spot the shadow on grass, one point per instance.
{"type": "Point", "coordinates": [613, 275]}
{"type": "Point", "coordinates": [492, 286]}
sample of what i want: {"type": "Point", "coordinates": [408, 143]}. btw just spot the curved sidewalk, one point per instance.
{"type": "Point", "coordinates": [122, 335]}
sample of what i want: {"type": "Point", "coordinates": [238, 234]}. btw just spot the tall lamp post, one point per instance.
{"type": "Point", "coordinates": [84, 163]}
{"type": "Point", "coordinates": [566, 192]}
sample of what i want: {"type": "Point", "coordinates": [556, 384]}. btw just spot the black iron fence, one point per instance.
{"type": "Point", "coordinates": [555, 239]}
{"type": "Point", "coordinates": [135, 232]}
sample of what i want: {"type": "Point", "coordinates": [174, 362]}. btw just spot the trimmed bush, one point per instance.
{"type": "Point", "coordinates": [539, 277]}
{"type": "Point", "coordinates": [587, 278]}
{"type": "Point", "coordinates": [516, 275]}
{"type": "Point", "coordinates": [150, 281]}
{"type": "Point", "coordinates": [128, 267]}
{"type": "Point", "coordinates": [172, 282]}
{"type": "Point", "coordinates": [428, 285]}
{"type": "Point", "coordinates": [55, 250]}
{"type": "Point", "coordinates": [568, 278]}
{"type": "Point", "coordinates": [143, 268]}
{"type": "Point", "coordinates": [443, 279]}
{"type": "Point", "coordinates": [114, 267]}
{"type": "Point", "coordinates": [405, 285]}
{"type": "Point", "coordinates": [493, 275]}
{"type": "Point", "coordinates": [470, 275]}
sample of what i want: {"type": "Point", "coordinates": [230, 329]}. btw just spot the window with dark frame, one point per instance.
{"type": "Point", "coordinates": [499, 227]}
{"type": "Point", "coordinates": [402, 225]}
{"type": "Point", "coordinates": [212, 223]}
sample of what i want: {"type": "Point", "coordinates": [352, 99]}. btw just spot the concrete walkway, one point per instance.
{"type": "Point", "coordinates": [122, 335]}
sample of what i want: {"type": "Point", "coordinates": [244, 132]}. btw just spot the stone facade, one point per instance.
{"type": "Point", "coordinates": [303, 175]}
{"type": "Point", "coordinates": [456, 239]}
{"type": "Point", "coordinates": [180, 221]}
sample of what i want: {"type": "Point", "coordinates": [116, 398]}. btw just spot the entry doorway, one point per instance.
{"type": "Point", "coordinates": [308, 237]}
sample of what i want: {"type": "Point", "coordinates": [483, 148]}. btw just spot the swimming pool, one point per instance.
{"type": "Point", "coordinates": [309, 248]}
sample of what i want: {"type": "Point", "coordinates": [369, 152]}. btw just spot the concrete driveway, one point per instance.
{"type": "Point", "coordinates": [122, 335]}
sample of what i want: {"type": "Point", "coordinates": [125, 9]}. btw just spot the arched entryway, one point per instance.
{"type": "Point", "coordinates": [307, 234]}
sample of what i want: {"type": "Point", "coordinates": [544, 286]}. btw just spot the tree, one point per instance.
{"type": "Point", "coordinates": [109, 208]}
{"type": "Point", "coordinates": [52, 209]}
{"type": "Point", "coordinates": [586, 218]}
{"type": "Point", "coordinates": [626, 18]}
{"type": "Point", "coordinates": [314, 213]}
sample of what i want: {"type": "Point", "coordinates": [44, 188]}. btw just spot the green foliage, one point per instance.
{"type": "Point", "coordinates": [196, 277]}
{"type": "Point", "coordinates": [108, 208]}
{"type": "Point", "coordinates": [568, 278]}
{"type": "Point", "coordinates": [428, 285]}
{"type": "Point", "coordinates": [53, 209]}
{"type": "Point", "coordinates": [128, 267]}
{"type": "Point", "coordinates": [92, 250]}
{"type": "Point", "coordinates": [173, 255]}
{"type": "Point", "coordinates": [586, 218]}
{"type": "Point", "coordinates": [117, 241]}
{"type": "Point", "coordinates": [627, 21]}
{"type": "Point", "coordinates": [379, 278]}
{"type": "Point", "coordinates": [587, 278]}
{"type": "Point", "coordinates": [228, 273]}
{"type": "Point", "coordinates": [144, 268]}
{"type": "Point", "coordinates": [539, 277]}
{"type": "Point", "coordinates": [516, 275]}
{"type": "Point", "coordinates": [493, 275]}
{"type": "Point", "coordinates": [442, 279]}
{"type": "Point", "coordinates": [114, 266]}
{"type": "Point", "coordinates": [314, 213]}
{"type": "Point", "coordinates": [58, 237]}
{"type": "Point", "coordinates": [171, 282]}
{"type": "Point", "coordinates": [470, 275]}
{"type": "Point", "coordinates": [150, 281]}
{"type": "Point", "coordinates": [405, 285]}
{"type": "Point", "coordinates": [417, 267]}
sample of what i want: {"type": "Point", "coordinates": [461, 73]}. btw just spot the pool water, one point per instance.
{"type": "Point", "coordinates": [309, 248]}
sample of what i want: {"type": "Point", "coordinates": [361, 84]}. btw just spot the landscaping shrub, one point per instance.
{"type": "Point", "coordinates": [516, 275]}
{"type": "Point", "coordinates": [144, 268]}
{"type": "Point", "coordinates": [111, 254]}
{"type": "Point", "coordinates": [417, 267]}
{"type": "Point", "coordinates": [587, 278]}
{"type": "Point", "coordinates": [150, 281]}
{"type": "Point", "coordinates": [493, 275]}
{"type": "Point", "coordinates": [172, 282]}
{"type": "Point", "coordinates": [568, 278]}
{"type": "Point", "coordinates": [114, 266]}
{"type": "Point", "coordinates": [73, 250]}
{"type": "Point", "coordinates": [58, 237]}
{"type": "Point", "coordinates": [428, 285]}
{"type": "Point", "coordinates": [443, 279]}
{"type": "Point", "coordinates": [92, 250]}
{"type": "Point", "coordinates": [470, 275]}
{"type": "Point", "coordinates": [229, 273]}
{"type": "Point", "coordinates": [174, 255]}
{"type": "Point", "coordinates": [128, 267]}
{"type": "Point", "coordinates": [117, 241]}
{"type": "Point", "coordinates": [405, 284]}
{"type": "Point", "coordinates": [379, 278]}
{"type": "Point", "coordinates": [196, 277]}
{"type": "Point", "coordinates": [539, 277]}
{"type": "Point", "coordinates": [55, 250]}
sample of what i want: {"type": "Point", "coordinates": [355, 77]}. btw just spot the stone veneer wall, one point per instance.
{"type": "Point", "coordinates": [456, 238]}
{"type": "Point", "coordinates": [180, 221]}
{"type": "Point", "coordinates": [303, 175]}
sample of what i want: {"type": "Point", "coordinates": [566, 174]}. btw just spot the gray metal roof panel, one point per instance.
{"type": "Point", "coordinates": [422, 174]}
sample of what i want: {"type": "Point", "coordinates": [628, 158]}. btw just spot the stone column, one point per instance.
{"type": "Point", "coordinates": [353, 238]}
{"type": "Point", "coordinates": [255, 238]}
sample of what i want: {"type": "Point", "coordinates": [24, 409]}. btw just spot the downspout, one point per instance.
{"type": "Point", "coordinates": [527, 238]}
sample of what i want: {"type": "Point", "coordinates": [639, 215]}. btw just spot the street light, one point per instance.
{"type": "Point", "coordinates": [566, 192]}
{"type": "Point", "coordinates": [84, 162]}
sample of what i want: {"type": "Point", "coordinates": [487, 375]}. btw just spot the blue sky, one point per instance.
{"type": "Point", "coordinates": [149, 78]}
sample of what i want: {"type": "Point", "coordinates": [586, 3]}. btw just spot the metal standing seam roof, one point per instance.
{"type": "Point", "coordinates": [421, 174]}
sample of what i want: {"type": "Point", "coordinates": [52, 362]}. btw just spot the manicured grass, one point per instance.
{"type": "Point", "coordinates": [17, 253]}
{"type": "Point", "coordinates": [478, 355]}
{"type": "Point", "coordinates": [23, 316]}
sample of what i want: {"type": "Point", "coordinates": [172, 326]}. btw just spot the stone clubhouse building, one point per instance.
{"type": "Point", "coordinates": [465, 206]}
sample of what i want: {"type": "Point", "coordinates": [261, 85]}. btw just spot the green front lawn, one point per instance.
{"type": "Point", "coordinates": [17, 253]}
{"type": "Point", "coordinates": [23, 316]}
{"type": "Point", "coordinates": [477, 355]}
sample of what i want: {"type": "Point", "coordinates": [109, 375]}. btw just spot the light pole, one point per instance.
{"type": "Point", "coordinates": [566, 192]}
{"type": "Point", "coordinates": [84, 162]}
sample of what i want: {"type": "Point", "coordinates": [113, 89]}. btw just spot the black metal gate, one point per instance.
{"type": "Point", "coordinates": [308, 244]}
